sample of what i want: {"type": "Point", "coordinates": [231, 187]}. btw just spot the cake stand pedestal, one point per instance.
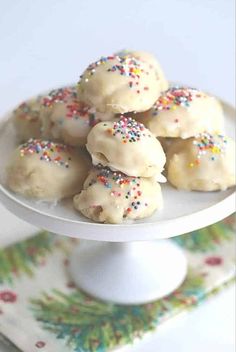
{"type": "Point", "coordinates": [128, 273]}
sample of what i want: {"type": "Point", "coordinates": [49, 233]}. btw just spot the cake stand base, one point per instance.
{"type": "Point", "coordinates": [128, 273]}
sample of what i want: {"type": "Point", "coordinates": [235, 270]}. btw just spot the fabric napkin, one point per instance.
{"type": "Point", "coordinates": [42, 310]}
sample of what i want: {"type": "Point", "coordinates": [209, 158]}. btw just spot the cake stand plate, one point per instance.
{"type": "Point", "coordinates": [123, 263]}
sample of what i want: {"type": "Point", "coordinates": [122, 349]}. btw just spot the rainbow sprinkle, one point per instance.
{"type": "Point", "coordinates": [208, 143]}
{"type": "Point", "coordinates": [127, 66]}
{"type": "Point", "coordinates": [60, 95]}
{"type": "Point", "coordinates": [77, 110]}
{"type": "Point", "coordinates": [129, 129]}
{"type": "Point", "coordinates": [107, 178]}
{"type": "Point", "coordinates": [174, 97]}
{"type": "Point", "coordinates": [47, 151]}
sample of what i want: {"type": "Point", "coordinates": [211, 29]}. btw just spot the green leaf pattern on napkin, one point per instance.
{"type": "Point", "coordinates": [90, 325]}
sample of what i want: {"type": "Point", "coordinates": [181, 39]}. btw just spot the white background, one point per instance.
{"type": "Point", "coordinates": [47, 43]}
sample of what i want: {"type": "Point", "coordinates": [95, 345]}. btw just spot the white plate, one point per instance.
{"type": "Point", "coordinates": [183, 211]}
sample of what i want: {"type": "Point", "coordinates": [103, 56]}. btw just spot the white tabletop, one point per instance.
{"type": "Point", "coordinates": [48, 43]}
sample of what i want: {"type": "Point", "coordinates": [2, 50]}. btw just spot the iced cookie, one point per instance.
{"type": "Point", "coordinates": [111, 197]}
{"type": "Point", "coordinates": [66, 119]}
{"type": "Point", "coordinates": [126, 145]}
{"type": "Point", "coordinates": [118, 84]}
{"type": "Point", "coordinates": [151, 60]}
{"type": "Point", "coordinates": [45, 170]}
{"type": "Point", "coordinates": [183, 112]}
{"type": "Point", "coordinates": [203, 163]}
{"type": "Point", "coordinates": [26, 119]}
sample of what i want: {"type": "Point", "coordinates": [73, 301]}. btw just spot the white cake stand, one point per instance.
{"type": "Point", "coordinates": [127, 263]}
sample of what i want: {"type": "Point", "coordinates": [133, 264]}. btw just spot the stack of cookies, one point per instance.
{"type": "Point", "coordinates": [132, 125]}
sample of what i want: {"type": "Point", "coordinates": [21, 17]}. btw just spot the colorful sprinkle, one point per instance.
{"type": "Point", "coordinates": [208, 143]}
{"type": "Point", "coordinates": [129, 129]}
{"type": "Point", "coordinates": [174, 97]}
{"type": "Point", "coordinates": [48, 151]}
{"type": "Point", "coordinates": [77, 110]}
{"type": "Point", "coordinates": [127, 66]}
{"type": "Point", "coordinates": [60, 95]}
{"type": "Point", "coordinates": [129, 185]}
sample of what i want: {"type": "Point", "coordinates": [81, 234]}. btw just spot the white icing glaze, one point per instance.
{"type": "Point", "coordinates": [127, 146]}
{"type": "Point", "coordinates": [26, 119]}
{"type": "Point", "coordinates": [119, 84]}
{"type": "Point", "coordinates": [66, 119]}
{"type": "Point", "coordinates": [204, 163]}
{"type": "Point", "coordinates": [183, 112]}
{"type": "Point", "coordinates": [151, 60]}
{"type": "Point", "coordinates": [46, 170]}
{"type": "Point", "coordinates": [111, 197]}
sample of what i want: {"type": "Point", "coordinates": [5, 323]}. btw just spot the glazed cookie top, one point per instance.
{"type": "Point", "coordinates": [118, 185]}
{"type": "Point", "coordinates": [151, 60]}
{"type": "Point", "coordinates": [110, 196]}
{"type": "Point", "coordinates": [66, 118]}
{"type": "Point", "coordinates": [174, 97]}
{"type": "Point", "coordinates": [126, 145]}
{"type": "Point", "coordinates": [60, 95]}
{"type": "Point", "coordinates": [183, 112]}
{"type": "Point", "coordinates": [203, 148]}
{"type": "Point", "coordinates": [45, 170]}
{"type": "Point", "coordinates": [205, 162]}
{"type": "Point", "coordinates": [26, 119]}
{"type": "Point", "coordinates": [208, 146]}
{"type": "Point", "coordinates": [119, 84]}
{"type": "Point", "coordinates": [49, 152]}
{"type": "Point", "coordinates": [28, 110]}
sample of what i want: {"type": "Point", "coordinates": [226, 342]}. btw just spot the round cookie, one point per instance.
{"type": "Point", "coordinates": [151, 60]}
{"type": "Point", "coordinates": [46, 170]}
{"type": "Point", "coordinates": [116, 84]}
{"type": "Point", "coordinates": [183, 112]}
{"type": "Point", "coordinates": [126, 145]}
{"type": "Point", "coordinates": [111, 197]}
{"type": "Point", "coordinates": [26, 119]}
{"type": "Point", "coordinates": [203, 163]}
{"type": "Point", "coordinates": [66, 119]}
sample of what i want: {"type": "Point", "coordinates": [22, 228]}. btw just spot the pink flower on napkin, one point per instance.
{"type": "Point", "coordinates": [8, 296]}
{"type": "Point", "coordinates": [40, 344]}
{"type": "Point", "coordinates": [214, 260]}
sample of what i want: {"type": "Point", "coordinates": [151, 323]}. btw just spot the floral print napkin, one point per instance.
{"type": "Point", "coordinates": [42, 310]}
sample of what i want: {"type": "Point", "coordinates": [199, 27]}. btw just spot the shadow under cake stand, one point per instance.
{"type": "Point", "coordinates": [129, 263]}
